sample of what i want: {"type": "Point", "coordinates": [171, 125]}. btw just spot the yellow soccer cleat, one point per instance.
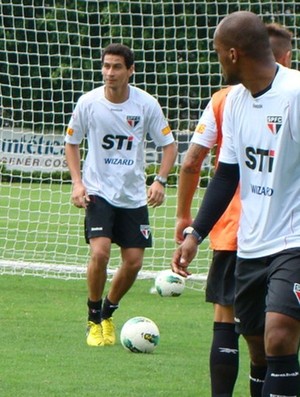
{"type": "Point", "coordinates": [94, 336]}
{"type": "Point", "coordinates": [108, 331]}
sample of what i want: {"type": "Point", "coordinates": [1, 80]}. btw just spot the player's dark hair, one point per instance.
{"type": "Point", "coordinates": [277, 30]}
{"type": "Point", "coordinates": [121, 50]}
{"type": "Point", "coordinates": [282, 38]}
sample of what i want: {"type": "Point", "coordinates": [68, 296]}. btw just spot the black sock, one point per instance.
{"type": "Point", "coordinates": [257, 378]}
{"type": "Point", "coordinates": [224, 359]}
{"type": "Point", "coordinates": [94, 312]}
{"type": "Point", "coordinates": [108, 308]}
{"type": "Point", "coordinates": [282, 377]}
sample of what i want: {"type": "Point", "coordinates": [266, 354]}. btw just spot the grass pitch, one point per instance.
{"type": "Point", "coordinates": [44, 353]}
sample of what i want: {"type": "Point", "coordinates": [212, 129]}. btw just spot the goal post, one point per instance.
{"type": "Point", "coordinates": [50, 53]}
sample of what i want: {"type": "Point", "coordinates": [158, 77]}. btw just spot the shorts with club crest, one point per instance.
{"type": "Point", "coordinates": [128, 228]}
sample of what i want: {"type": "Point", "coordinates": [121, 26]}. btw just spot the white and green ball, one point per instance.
{"type": "Point", "coordinates": [140, 335]}
{"type": "Point", "coordinates": [168, 283]}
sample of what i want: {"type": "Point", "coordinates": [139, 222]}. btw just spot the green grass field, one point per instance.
{"type": "Point", "coordinates": [43, 350]}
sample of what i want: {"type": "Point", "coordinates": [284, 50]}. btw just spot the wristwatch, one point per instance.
{"type": "Point", "coordinates": [191, 230]}
{"type": "Point", "coordinates": [161, 180]}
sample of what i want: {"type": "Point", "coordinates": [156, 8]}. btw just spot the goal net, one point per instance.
{"type": "Point", "coordinates": [49, 55]}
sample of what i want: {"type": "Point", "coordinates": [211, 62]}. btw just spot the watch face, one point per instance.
{"type": "Point", "coordinates": [161, 179]}
{"type": "Point", "coordinates": [191, 230]}
{"type": "Point", "coordinates": [188, 230]}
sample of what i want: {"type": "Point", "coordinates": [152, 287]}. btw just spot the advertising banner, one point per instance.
{"type": "Point", "coordinates": [28, 151]}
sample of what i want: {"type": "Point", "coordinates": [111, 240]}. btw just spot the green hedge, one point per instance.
{"type": "Point", "coordinates": [15, 176]}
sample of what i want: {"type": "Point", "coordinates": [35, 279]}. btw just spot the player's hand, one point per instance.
{"type": "Point", "coordinates": [184, 255]}
{"type": "Point", "coordinates": [156, 194]}
{"type": "Point", "coordinates": [181, 224]}
{"type": "Point", "coordinates": [80, 197]}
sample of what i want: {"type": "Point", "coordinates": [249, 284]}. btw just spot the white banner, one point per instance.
{"type": "Point", "coordinates": [27, 151]}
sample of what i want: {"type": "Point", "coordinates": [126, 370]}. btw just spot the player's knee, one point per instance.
{"type": "Point", "coordinates": [280, 342]}
{"type": "Point", "coordinates": [281, 335]}
{"type": "Point", "coordinates": [99, 257]}
{"type": "Point", "coordinates": [133, 266]}
{"type": "Point", "coordinates": [137, 266]}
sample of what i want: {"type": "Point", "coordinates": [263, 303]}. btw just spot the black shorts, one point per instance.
{"type": "Point", "coordinates": [220, 283]}
{"type": "Point", "coordinates": [268, 284]}
{"type": "Point", "coordinates": [128, 228]}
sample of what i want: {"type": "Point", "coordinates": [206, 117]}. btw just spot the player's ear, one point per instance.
{"type": "Point", "coordinates": [288, 59]}
{"type": "Point", "coordinates": [233, 54]}
{"type": "Point", "coordinates": [131, 70]}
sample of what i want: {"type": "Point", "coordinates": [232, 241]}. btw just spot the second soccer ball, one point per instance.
{"type": "Point", "coordinates": [168, 283]}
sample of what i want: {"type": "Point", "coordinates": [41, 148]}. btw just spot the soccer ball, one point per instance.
{"type": "Point", "coordinates": [139, 335]}
{"type": "Point", "coordinates": [168, 283]}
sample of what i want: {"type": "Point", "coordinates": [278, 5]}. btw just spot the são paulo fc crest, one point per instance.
{"type": "Point", "coordinates": [297, 291]}
{"type": "Point", "coordinates": [133, 121]}
{"type": "Point", "coordinates": [274, 124]}
{"type": "Point", "coordinates": [145, 230]}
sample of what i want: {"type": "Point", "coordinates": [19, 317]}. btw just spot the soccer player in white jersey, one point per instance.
{"type": "Point", "coordinates": [115, 119]}
{"type": "Point", "coordinates": [224, 353]}
{"type": "Point", "coordinates": [261, 149]}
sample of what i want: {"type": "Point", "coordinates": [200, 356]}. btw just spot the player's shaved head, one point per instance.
{"type": "Point", "coordinates": [246, 32]}
{"type": "Point", "coordinates": [242, 43]}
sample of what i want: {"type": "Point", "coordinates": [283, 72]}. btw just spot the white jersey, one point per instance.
{"type": "Point", "coordinates": [262, 135]}
{"type": "Point", "coordinates": [114, 166]}
{"type": "Point", "coordinates": [206, 133]}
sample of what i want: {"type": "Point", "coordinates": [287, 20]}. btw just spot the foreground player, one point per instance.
{"type": "Point", "coordinates": [261, 146]}
{"type": "Point", "coordinates": [224, 354]}
{"type": "Point", "coordinates": [115, 119]}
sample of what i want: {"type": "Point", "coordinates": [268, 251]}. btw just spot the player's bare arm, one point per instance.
{"type": "Point", "coordinates": [79, 196]}
{"type": "Point", "coordinates": [156, 192]}
{"type": "Point", "coordinates": [188, 182]}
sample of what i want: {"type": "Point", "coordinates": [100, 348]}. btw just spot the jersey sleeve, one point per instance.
{"type": "Point", "coordinates": [206, 133]}
{"type": "Point", "coordinates": [227, 152]}
{"type": "Point", "coordinates": [294, 118]}
{"type": "Point", "coordinates": [76, 129]}
{"type": "Point", "coordinates": [158, 127]}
